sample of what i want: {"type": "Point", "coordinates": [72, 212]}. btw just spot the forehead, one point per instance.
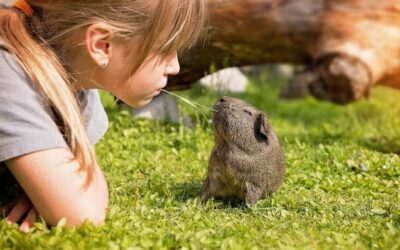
{"type": "Point", "coordinates": [243, 104]}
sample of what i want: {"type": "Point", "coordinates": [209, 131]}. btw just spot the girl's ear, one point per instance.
{"type": "Point", "coordinates": [98, 43]}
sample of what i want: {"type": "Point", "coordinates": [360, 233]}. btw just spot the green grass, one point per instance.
{"type": "Point", "coordinates": [155, 172]}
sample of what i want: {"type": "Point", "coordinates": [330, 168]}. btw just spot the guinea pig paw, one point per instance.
{"type": "Point", "coordinates": [204, 197]}
{"type": "Point", "coordinates": [253, 194]}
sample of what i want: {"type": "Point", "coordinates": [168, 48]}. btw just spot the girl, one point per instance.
{"type": "Point", "coordinates": [53, 56]}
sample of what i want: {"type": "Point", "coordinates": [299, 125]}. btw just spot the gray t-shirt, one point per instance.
{"type": "Point", "coordinates": [27, 124]}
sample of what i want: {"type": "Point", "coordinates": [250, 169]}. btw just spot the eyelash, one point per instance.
{"type": "Point", "coordinates": [248, 112]}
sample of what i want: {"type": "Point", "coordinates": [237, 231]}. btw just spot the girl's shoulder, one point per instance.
{"type": "Point", "coordinates": [27, 122]}
{"type": "Point", "coordinates": [14, 82]}
{"type": "Point", "coordinates": [9, 66]}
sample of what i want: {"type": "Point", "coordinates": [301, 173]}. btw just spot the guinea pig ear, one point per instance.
{"type": "Point", "coordinates": [262, 126]}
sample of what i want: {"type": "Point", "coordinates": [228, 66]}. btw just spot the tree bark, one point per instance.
{"type": "Point", "coordinates": [350, 45]}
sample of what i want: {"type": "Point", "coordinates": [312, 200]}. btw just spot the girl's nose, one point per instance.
{"type": "Point", "coordinates": [172, 67]}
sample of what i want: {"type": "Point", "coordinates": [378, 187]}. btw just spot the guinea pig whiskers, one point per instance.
{"type": "Point", "coordinates": [191, 103]}
{"type": "Point", "coordinates": [194, 105]}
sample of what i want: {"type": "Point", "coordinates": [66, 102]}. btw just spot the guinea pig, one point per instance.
{"type": "Point", "coordinates": [247, 161]}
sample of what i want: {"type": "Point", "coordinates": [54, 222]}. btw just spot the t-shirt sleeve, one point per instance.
{"type": "Point", "coordinates": [26, 123]}
{"type": "Point", "coordinates": [94, 115]}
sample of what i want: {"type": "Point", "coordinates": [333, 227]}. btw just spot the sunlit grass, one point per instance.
{"type": "Point", "coordinates": [341, 190]}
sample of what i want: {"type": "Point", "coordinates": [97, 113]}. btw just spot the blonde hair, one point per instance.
{"type": "Point", "coordinates": [40, 42]}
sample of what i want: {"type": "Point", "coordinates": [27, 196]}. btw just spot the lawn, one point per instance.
{"type": "Point", "coordinates": [341, 189]}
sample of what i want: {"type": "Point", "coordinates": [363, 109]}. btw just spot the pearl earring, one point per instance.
{"type": "Point", "coordinates": [104, 64]}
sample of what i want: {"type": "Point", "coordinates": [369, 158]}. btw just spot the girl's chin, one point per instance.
{"type": "Point", "coordinates": [139, 104]}
{"type": "Point", "coordinates": [145, 100]}
{"type": "Point", "coordinates": [157, 92]}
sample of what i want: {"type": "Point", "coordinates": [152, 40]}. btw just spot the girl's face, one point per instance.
{"type": "Point", "coordinates": [139, 89]}
{"type": "Point", "coordinates": [136, 89]}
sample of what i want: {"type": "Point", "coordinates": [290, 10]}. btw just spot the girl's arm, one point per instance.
{"type": "Point", "coordinates": [56, 188]}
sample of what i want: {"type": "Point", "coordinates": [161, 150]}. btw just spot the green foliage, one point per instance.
{"type": "Point", "coordinates": [341, 191]}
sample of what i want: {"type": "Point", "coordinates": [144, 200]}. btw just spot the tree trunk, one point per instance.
{"type": "Point", "coordinates": [349, 45]}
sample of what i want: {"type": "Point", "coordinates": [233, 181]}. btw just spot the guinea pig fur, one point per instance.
{"type": "Point", "coordinates": [247, 161]}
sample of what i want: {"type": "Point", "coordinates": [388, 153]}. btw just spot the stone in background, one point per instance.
{"type": "Point", "coordinates": [226, 80]}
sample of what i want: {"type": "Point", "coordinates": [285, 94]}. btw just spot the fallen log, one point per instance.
{"type": "Point", "coordinates": [349, 45]}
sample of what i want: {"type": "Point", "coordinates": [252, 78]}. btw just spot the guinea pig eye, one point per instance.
{"type": "Point", "coordinates": [247, 111]}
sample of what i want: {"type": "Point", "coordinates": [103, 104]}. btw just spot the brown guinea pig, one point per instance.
{"type": "Point", "coordinates": [247, 161]}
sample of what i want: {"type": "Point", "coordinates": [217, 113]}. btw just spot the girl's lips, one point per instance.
{"type": "Point", "coordinates": [158, 91]}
